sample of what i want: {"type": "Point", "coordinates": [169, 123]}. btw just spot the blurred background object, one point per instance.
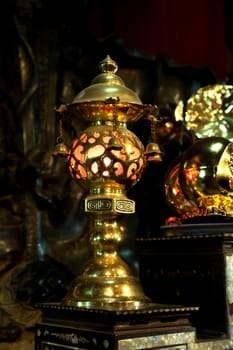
{"type": "Point", "coordinates": [166, 51]}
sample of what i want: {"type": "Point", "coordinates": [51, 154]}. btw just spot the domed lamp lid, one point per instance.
{"type": "Point", "coordinates": [107, 85]}
{"type": "Point", "coordinates": [107, 99]}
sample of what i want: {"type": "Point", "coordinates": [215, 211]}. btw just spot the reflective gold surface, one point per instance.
{"type": "Point", "coordinates": [209, 111]}
{"type": "Point", "coordinates": [205, 171]}
{"type": "Point", "coordinates": [106, 159]}
{"type": "Point", "coordinates": [107, 98]}
{"type": "Point", "coordinates": [198, 167]}
{"type": "Point", "coordinates": [203, 178]}
{"type": "Point", "coordinates": [175, 197]}
{"type": "Point", "coordinates": [106, 85]}
{"type": "Point", "coordinates": [100, 111]}
{"type": "Point", "coordinates": [106, 281]}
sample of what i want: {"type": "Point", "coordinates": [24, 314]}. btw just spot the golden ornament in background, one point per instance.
{"type": "Point", "coordinates": [201, 184]}
{"type": "Point", "coordinates": [208, 112]}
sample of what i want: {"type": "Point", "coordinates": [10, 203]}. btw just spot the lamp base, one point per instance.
{"type": "Point", "coordinates": [106, 283]}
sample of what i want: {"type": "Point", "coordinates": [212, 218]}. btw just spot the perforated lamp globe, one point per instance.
{"type": "Point", "coordinates": [94, 158]}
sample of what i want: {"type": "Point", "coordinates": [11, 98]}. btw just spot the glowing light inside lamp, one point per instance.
{"type": "Point", "coordinates": [107, 161]}
{"type": "Point", "coordinates": [101, 151]}
{"type": "Point", "coordinates": [95, 151]}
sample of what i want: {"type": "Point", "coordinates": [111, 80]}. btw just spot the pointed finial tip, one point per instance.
{"type": "Point", "coordinates": [108, 65]}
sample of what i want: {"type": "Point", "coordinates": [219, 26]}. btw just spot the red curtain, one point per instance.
{"type": "Point", "coordinates": [189, 32]}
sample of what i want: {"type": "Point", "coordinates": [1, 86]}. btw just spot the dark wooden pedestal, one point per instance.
{"type": "Point", "coordinates": [153, 327]}
{"type": "Point", "coordinates": [193, 265]}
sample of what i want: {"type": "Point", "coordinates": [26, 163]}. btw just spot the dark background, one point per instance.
{"type": "Point", "coordinates": [49, 51]}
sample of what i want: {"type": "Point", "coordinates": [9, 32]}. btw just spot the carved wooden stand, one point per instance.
{"type": "Point", "coordinates": [193, 265]}
{"type": "Point", "coordinates": [155, 327]}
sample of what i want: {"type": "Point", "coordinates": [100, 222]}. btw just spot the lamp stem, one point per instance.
{"type": "Point", "coordinates": [106, 281]}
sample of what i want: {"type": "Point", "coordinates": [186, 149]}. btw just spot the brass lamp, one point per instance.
{"type": "Point", "coordinates": [106, 159]}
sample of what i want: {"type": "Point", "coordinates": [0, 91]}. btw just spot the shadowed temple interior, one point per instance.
{"type": "Point", "coordinates": [116, 175]}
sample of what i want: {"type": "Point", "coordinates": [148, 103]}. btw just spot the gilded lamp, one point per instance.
{"type": "Point", "coordinates": [106, 158]}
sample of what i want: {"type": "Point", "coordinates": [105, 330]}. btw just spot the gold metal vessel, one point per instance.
{"type": "Point", "coordinates": [106, 159]}
{"type": "Point", "coordinates": [176, 199]}
{"type": "Point", "coordinates": [201, 184]}
{"type": "Point", "coordinates": [209, 112]}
